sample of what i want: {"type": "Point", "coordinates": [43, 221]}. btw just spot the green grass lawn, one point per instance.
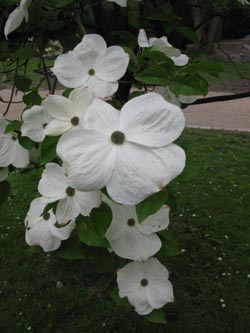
{"type": "Point", "coordinates": [211, 278]}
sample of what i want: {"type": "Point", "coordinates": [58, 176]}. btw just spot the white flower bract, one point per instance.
{"type": "Point", "coordinates": [16, 17]}
{"type": "Point", "coordinates": [54, 186]}
{"type": "Point", "coordinates": [34, 124]}
{"type": "Point", "coordinates": [66, 112]}
{"type": "Point", "coordinates": [11, 152]}
{"type": "Point", "coordinates": [146, 285]}
{"type": "Point", "coordinates": [94, 65]}
{"type": "Point", "coordinates": [131, 240]}
{"type": "Point", "coordinates": [162, 44]}
{"type": "Point", "coordinates": [128, 151]}
{"type": "Point", "coordinates": [41, 229]}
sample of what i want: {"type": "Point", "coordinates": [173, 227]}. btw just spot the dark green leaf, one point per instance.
{"type": "Point", "coordinates": [58, 3]}
{"type": "Point", "coordinates": [156, 316]}
{"type": "Point", "coordinates": [32, 98]}
{"type": "Point", "coordinates": [22, 83]}
{"type": "Point", "coordinates": [205, 66]}
{"type": "Point", "coordinates": [189, 34]}
{"type": "Point", "coordinates": [135, 94]}
{"type": "Point", "coordinates": [189, 85]}
{"type": "Point", "coordinates": [123, 302]}
{"type": "Point", "coordinates": [170, 246]}
{"type": "Point", "coordinates": [89, 234]}
{"type": "Point", "coordinates": [13, 126]}
{"type": "Point", "coordinates": [4, 191]}
{"type": "Point", "coordinates": [67, 92]}
{"type": "Point", "coordinates": [156, 75]}
{"type": "Point", "coordinates": [26, 53]}
{"type": "Point", "coordinates": [101, 217]}
{"type": "Point", "coordinates": [71, 249]}
{"type": "Point", "coordinates": [26, 142]}
{"type": "Point", "coordinates": [48, 150]}
{"type": "Point", "coordinates": [150, 205]}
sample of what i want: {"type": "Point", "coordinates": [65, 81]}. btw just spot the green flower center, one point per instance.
{"type": "Point", "coordinates": [13, 138]}
{"type": "Point", "coordinates": [131, 222]}
{"type": "Point", "coordinates": [46, 216]}
{"type": "Point", "coordinates": [91, 72]}
{"type": "Point", "coordinates": [75, 121]}
{"type": "Point", "coordinates": [44, 125]}
{"type": "Point", "coordinates": [144, 282]}
{"type": "Point", "coordinates": [117, 137]}
{"type": "Point", "coordinates": [70, 191]}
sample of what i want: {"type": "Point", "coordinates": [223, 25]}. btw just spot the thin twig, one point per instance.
{"type": "Point", "coordinates": [12, 90]}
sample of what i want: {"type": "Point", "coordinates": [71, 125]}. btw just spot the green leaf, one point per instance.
{"type": "Point", "coordinates": [22, 83]}
{"type": "Point", "coordinates": [71, 249]}
{"type": "Point", "coordinates": [157, 55]}
{"type": "Point", "coordinates": [89, 234]}
{"type": "Point", "coordinates": [4, 191]}
{"type": "Point", "coordinates": [13, 126]}
{"type": "Point", "coordinates": [101, 217]}
{"type": "Point", "coordinates": [32, 98]}
{"type": "Point", "coordinates": [189, 85]}
{"type": "Point", "coordinates": [156, 316]}
{"type": "Point", "coordinates": [150, 205]}
{"type": "Point", "coordinates": [170, 246]}
{"type": "Point", "coordinates": [135, 94]}
{"type": "Point", "coordinates": [205, 66]}
{"type": "Point", "coordinates": [189, 34]}
{"type": "Point", "coordinates": [156, 75]}
{"type": "Point", "coordinates": [58, 3]}
{"type": "Point", "coordinates": [66, 92]}
{"type": "Point", "coordinates": [26, 53]}
{"type": "Point", "coordinates": [48, 150]}
{"type": "Point", "coordinates": [26, 142]}
{"type": "Point", "coordinates": [123, 302]}
{"type": "Point", "coordinates": [133, 59]}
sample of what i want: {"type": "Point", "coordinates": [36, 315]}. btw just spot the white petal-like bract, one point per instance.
{"type": "Point", "coordinates": [128, 238]}
{"type": "Point", "coordinates": [41, 229]}
{"type": "Point", "coordinates": [146, 285]}
{"type": "Point", "coordinates": [54, 186]}
{"type": "Point", "coordinates": [133, 148]}
{"type": "Point", "coordinates": [94, 65]}
{"type": "Point", "coordinates": [34, 124]}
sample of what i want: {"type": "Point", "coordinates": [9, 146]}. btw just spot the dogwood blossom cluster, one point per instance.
{"type": "Point", "coordinates": [130, 152]}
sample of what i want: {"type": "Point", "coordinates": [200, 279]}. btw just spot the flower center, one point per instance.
{"type": "Point", "coordinates": [44, 125]}
{"type": "Point", "coordinates": [144, 282]}
{"type": "Point", "coordinates": [131, 222]}
{"type": "Point", "coordinates": [117, 137]}
{"type": "Point", "coordinates": [70, 191]}
{"type": "Point", "coordinates": [91, 72]}
{"type": "Point", "coordinates": [75, 121]}
{"type": "Point", "coordinates": [46, 216]}
{"type": "Point", "coordinates": [13, 138]}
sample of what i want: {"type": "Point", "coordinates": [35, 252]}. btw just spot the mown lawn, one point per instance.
{"type": "Point", "coordinates": [211, 278]}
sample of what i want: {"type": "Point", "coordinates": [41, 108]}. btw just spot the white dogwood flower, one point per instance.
{"type": "Point", "coordinates": [162, 44]}
{"type": "Point", "coordinates": [54, 186]}
{"type": "Point", "coordinates": [41, 229]}
{"type": "Point", "coordinates": [66, 112]}
{"type": "Point", "coordinates": [128, 151]}
{"type": "Point", "coordinates": [35, 121]}
{"type": "Point", "coordinates": [244, 2]}
{"type": "Point", "coordinates": [146, 285]}
{"type": "Point", "coordinates": [94, 65]}
{"type": "Point", "coordinates": [4, 174]}
{"type": "Point", "coordinates": [122, 3]}
{"type": "Point", "coordinates": [132, 240]}
{"type": "Point", "coordinates": [11, 152]}
{"type": "Point", "coordinates": [16, 17]}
